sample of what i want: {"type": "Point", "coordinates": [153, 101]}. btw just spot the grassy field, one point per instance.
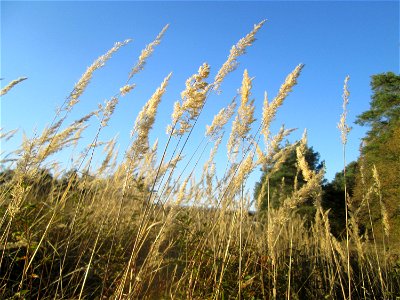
{"type": "Point", "coordinates": [135, 229]}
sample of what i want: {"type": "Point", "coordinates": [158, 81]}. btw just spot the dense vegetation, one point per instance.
{"type": "Point", "coordinates": [134, 229]}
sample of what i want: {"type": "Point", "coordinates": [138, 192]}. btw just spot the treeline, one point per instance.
{"type": "Point", "coordinates": [372, 182]}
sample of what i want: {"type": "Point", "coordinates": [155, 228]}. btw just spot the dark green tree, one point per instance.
{"type": "Point", "coordinates": [339, 179]}
{"type": "Point", "coordinates": [384, 113]}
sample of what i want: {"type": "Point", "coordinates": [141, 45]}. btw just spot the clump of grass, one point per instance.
{"type": "Point", "coordinates": [110, 233]}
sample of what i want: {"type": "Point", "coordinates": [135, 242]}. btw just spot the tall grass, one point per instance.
{"type": "Point", "coordinates": [139, 229]}
{"type": "Point", "coordinates": [345, 129]}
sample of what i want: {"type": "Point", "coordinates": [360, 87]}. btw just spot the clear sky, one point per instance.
{"type": "Point", "coordinates": [52, 43]}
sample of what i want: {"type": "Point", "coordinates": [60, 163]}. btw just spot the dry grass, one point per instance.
{"type": "Point", "coordinates": [112, 235]}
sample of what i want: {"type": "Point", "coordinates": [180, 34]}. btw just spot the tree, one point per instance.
{"type": "Point", "coordinates": [339, 179]}
{"type": "Point", "coordinates": [381, 148]}
{"type": "Point", "coordinates": [384, 113]}
{"type": "Point", "coordinates": [282, 181]}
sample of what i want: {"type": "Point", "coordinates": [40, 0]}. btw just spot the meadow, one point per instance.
{"type": "Point", "coordinates": [145, 227]}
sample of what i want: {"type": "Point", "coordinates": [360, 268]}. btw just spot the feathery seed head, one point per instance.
{"type": "Point", "coordinates": [7, 135]}
{"type": "Point", "coordinates": [377, 182]}
{"type": "Point", "coordinates": [244, 170]}
{"type": "Point", "coordinates": [108, 110]}
{"type": "Point", "coordinates": [301, 160]}
{"type": "Point", "coordinates": [126, 89]}
{"type": "Point", "coordinates": [378, 190]}
{"type": "Point", "coordinates": [278, 138]}
{"type": "Point", "coordinates": [343, 127]}
{"type": "Point", "coordinates": [65, 138]}
{"type": "Point", "coordinates": [220, 120]}
{"type": "Point", "coordinates": [193, 100]}
{"type": "Point", "coordinates": [109, 149]}
{"type": "Point", "coordinates": [265, 117]}
{"type": "Point", "coordinates": [279, 158]}
{"type": "Point", "coordinates": [181, 193]}
{"type": "Point", "coordinates": [261, 158]}
{"type": "Point", "coordinates": [385, 219]}
{"type": "Point", "coordinates": [11, 85]}
{"type": "Point", "coordinates": [146, 53]}
{"type": "Point", "coordinates": [87, 76]}
{"type": "Point", "coordinates": [146, 118]}
{"type": "Point", "coordinates": [209, 165]}
{"type": "Point", "coordinates": [270, 109]}
{"type": "Point", "coordinates": [242, 124]}
{"type": "Point", "coordinates": [236, 50]}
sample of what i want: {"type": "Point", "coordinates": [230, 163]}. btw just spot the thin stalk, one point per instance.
{"type": "Point", "coordinates": [91, 258]}
{"type": "Point", "coordinates": [347, 221]}
{"type": "Point", "coordinates": [290, 263]}
{"type": "Point", "coordinates": [240, 232]}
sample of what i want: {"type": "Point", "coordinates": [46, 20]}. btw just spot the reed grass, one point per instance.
{"type": "Point", "coordinates": [108, 233]}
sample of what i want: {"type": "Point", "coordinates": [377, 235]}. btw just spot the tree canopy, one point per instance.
{"type": "Point", "coordinates": [383, 117]}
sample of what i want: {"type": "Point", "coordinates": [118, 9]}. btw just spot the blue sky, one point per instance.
{"type": "Point", "coordinates": [52, 43]}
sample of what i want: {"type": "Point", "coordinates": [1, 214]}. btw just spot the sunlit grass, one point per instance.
{"type": "Point", "coordinates": [138, 228]}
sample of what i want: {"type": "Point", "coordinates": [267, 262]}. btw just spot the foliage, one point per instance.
{"type": "Point", "coordinates": [381, 151]}
{"type": "Point", "coordinates": [384, 112]}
